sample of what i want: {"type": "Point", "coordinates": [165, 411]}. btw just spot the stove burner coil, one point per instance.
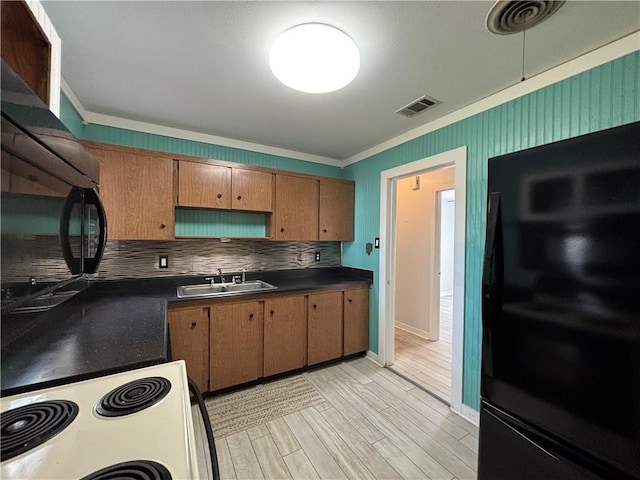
{"type": "Point", "coordinates": [133, 397]}
{"type": "Point", "coordinates": [134, 470]}
{"type": "Point", "coordinates": [26, 427]}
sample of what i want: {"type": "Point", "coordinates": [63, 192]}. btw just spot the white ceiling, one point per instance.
{"type": "Point", "coordinates": [203, 66]}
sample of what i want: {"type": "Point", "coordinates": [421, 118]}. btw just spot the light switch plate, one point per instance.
{"type": "Point", "coordinates": [163, 261]}
{"type": "Point", "coordinates": [376, 243]}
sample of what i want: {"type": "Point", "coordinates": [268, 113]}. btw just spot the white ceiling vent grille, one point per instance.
{"type": "Point", "coordinates": [514, 16]}
{"type": "Point", "coordinates": [418, 106]}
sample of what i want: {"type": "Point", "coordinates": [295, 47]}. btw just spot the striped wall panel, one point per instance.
{"type": "Point", "coordinates": [600, 98]}
{"type": "Point", "coordinates": [219, 223]}
{"type": "Point", "coordinates": [129, 138]}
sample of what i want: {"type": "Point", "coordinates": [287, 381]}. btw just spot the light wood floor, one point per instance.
{"type": "Point", "coordinates": [428, 363]}
{"type": "Point", "coordinates": [373, 425]}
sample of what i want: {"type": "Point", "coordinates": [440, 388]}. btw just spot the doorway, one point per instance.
{"type": "Point", "coordinates": [422, 336]}
{"type": "Point", "coordinates": [388, 263]}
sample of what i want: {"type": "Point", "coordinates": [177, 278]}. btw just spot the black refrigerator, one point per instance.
{"type": "Point", "coordinates": [560, 386]}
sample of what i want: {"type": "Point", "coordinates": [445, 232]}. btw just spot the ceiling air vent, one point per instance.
{"type": "Point", "coordinates": [514, 16]}
{"type": "Point", "coordinates": [418, 106]}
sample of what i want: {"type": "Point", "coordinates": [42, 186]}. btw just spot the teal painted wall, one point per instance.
{"type": "Point", "coordinates": [161, 143]}
{"type": "Point", "coordinates": [600, 98]}
{"type": "Point", "coordinates": [70, 117]}
{"type": "Point", "coordinates": [130, 138]}
{"type": "Point", "coordinates": [219, 223]}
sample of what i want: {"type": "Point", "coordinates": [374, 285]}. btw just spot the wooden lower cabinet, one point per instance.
{"type": "Point", "coordinates": [189, 331]}
{"type": "Point", "coordinates": [324, 337]}
{"type": "Point", "coordinates": [232, 342]}
{"type": "Point", "coordinates": [356, 320]}
{"type": "Point", "coordinates": [285, 334]}
{"type": "Point", "coordinates": [235, 343]}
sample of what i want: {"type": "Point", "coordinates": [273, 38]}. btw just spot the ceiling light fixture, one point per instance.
{"type": "Point", "coordinates": [314, 58]}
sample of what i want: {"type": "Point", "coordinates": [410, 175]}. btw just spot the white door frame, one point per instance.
{"type": "Point", "coordinates": [386, 306]}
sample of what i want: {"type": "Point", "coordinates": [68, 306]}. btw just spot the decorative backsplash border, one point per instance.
{"type": "Point", "coordinates": [40, 257]}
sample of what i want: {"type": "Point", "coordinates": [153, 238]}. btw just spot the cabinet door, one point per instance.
{"type": "Point", "coordinates": [203, 185]}
{"type": "Point", "coordinates": [137, 194]}
{"type": "Point", "coordinates": [285, 334]}
{"type": "Point", "coordinates": [189, 330]}
{"type": "Point", "coordinates": [356, 320]}
{"type": "Point", "coordinates": [251, 190]}
{"type": "Point", "coordinates": [325, 327]}
{"type": "Point", "coordinates": [296, 209]}
{"type": "Point", "coordinates": [336, 210]}
{"type": "Point", "coordinates": [236, 344]}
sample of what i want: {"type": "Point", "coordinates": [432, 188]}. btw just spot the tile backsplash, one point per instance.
{"type": "Point", "coordinates": [139, 259]}
{"type": "Point", "coordinates": [40, 257]}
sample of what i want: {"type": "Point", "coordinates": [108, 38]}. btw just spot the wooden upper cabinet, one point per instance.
{"type": "Point", "coordinates": [356, 320]}
{"type": "Point", "coordinates": [285, 334]}
{"type": "Point", "coordinates": [236, 343]}
{"type": "Point", "coordinates": [336, 210]}
{"type": "Point", "coordinates": [25, 47]}
{"type": "Point", "coordinates": [203, 185]}
{"type": "Point", "coordinates": [296, 209]}
{"type": "Point", "coordinates": [324, 327]}
{"type": "Point", "coordinates": [137, 192]}
{"type": "Point", "coordinates": [189, 330]}
{"type": "Point", "coordinates": [251, 190]}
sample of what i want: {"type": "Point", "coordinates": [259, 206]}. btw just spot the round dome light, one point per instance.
{"type": "Point", "coordinates": [314, 58]}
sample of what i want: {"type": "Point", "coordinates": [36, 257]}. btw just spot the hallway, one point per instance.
{"type": "Point", "coordinates": [428, 363]}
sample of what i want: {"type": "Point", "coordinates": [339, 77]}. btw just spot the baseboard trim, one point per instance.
{"type": "Point", "coordinates": [468, 413]}
{"type": "Point", "coordinates": [413, 330]}
{"type": "Point", "coordinates": [373, 357]}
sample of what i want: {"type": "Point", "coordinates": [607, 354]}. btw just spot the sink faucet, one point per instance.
{"type": "Point", "coordinates": [212, 279]}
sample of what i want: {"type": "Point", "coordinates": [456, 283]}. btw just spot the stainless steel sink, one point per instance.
{"type": "Point", "coordinates": [223, 289]}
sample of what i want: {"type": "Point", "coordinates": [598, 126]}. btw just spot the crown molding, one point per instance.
{"type": "Point", "coordinates": [68, 91]}
{"type": "Point", "coordinates": [595, 58]}
{"type": "Point", "coordinates": [145, 127]}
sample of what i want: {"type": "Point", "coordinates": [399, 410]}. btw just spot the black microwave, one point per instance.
{"type": "Point", "coordinates": [53, 226]}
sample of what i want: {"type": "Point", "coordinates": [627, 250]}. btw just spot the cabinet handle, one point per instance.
{"type": "Point", "coordinates": [194, 324]}
{"type": "Point", "coordinates": [324, 230]}
{"type": "Point", "coordinates": [271, 312]}
{"type": "Point", "coordinates": [282, 230]}
{"type": "Point", "coordinates": [349, 300]}
{"type": "Point", "coordinates": [251, 315]}
{"type": "Point", "coordinates": [162, 226]}
{"type": "Point", "coordinates": [315, 306]}
{"type": "Point", "coordinates": [219, 195]}
{"type": "Point", "coordinates": [239, 197]}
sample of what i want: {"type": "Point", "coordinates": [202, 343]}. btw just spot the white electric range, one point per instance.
{"type": "Point", "coordinates": [135, 424]}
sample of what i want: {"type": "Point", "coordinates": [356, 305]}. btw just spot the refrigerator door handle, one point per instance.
{"type": "Point", "coordinates": [492, 278]}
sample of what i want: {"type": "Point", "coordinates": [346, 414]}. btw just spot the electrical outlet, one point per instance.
{"type": "Point", "coordinates": [163, 261]}
{"type": "Point", "coordinates": [317, 256]}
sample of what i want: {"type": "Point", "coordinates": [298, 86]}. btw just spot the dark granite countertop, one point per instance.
{"type": "Point", "coordinates": [114, 326]}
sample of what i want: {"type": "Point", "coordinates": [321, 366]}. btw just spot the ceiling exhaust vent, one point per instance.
{"type": "Point", "coordinates": [418, 106]}
{"type": "Point", "coordinates": [514, 16]}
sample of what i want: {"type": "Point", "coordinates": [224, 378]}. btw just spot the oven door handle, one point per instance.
{"type": "Point", "coordinates": [193, 388]}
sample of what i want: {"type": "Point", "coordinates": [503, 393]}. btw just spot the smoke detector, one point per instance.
{"type": "Point", "coordinates": [514, 16]}
{"type": "Point", "coordinates": [418, 106]}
